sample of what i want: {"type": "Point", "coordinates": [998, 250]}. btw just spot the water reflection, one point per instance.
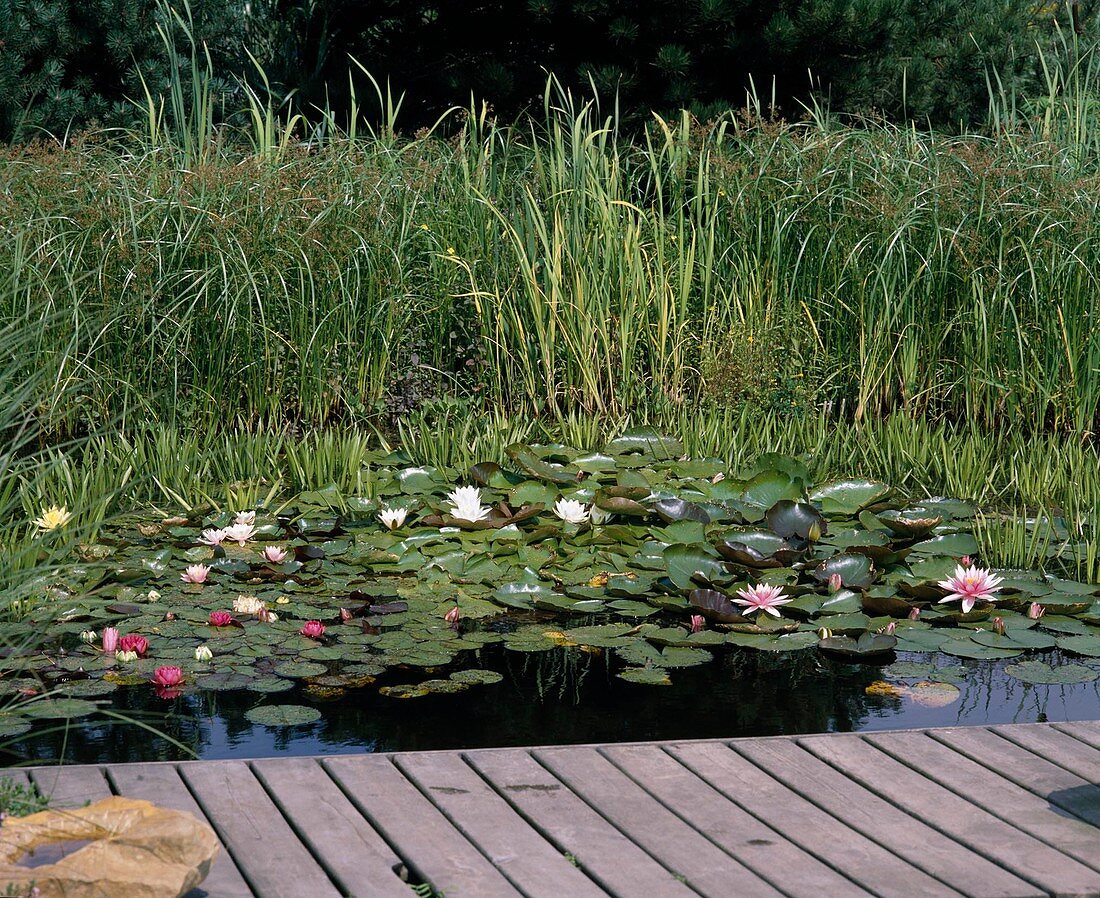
{"type": "Point", "coordinates": [560, 698]}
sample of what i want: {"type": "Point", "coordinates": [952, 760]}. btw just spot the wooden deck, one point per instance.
{"type": "Point", "coordinates": [1009, 811]}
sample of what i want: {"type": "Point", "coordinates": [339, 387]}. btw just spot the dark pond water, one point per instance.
{"type": "Point", "coordinates": [560, 698]}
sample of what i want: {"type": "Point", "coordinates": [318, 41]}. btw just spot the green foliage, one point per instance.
{"type": "Point", "coordinates": [19, 800]}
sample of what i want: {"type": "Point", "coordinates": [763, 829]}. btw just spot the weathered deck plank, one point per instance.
{"type": "Point", "coordinates": [961, 819]}
{"type": "Point", "coordinates": [418, 831]}
{"type": "Point", "coordinates": [527, 859]}
{"type": "Point", "coordinates": [270, 855]}
{"type": "Point", "coordinates": [821, 834]}
{"type": "Point", "coordinates": [981, 812]}
{"type": "Point", "coordinates": [864, 811]}
{"type": "Point", "coordinates": [161, 783]}
{"type": "Point", "coordinates": [356, 857]}
{"type": "Point", "coordinates": [793, 871]}
{"type": "Point", "coordinates": [603, 852]}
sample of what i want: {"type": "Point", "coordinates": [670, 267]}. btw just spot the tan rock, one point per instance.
{"type": "Point", "coordinates": [133, 848]}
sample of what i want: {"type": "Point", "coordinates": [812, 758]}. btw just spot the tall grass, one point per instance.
{"type": "Point", "coordinates": [556, 268]}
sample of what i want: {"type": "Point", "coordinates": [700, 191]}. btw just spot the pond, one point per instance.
{"type": "Point", "coordinates": [626, 594]}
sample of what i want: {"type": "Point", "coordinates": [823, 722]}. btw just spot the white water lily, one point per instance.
{"type": "Point", "coordinates": [52, 518]}
{"type": "Point", "coordinates": [240, 533]}
{"type": "Point", "coordinates": [599, 516]}
{"type": "Point", "coordinates": [88, 636]}
{"type": "Point", "coordinates": [245, 517]}
{"type": "Point", "coordinates": [571, 511]}
{"type": "Point", "coordinates": [466, 504]}
{"type": "Point", "coordinates": [126, 656]}
{"type": "Point", "coordinates": [203, 654]}
{"type": "Point", "coordinates": [212, 536]}
{"type": "Point", "coordinates": [393, 517]}
{"type": "Point", "coordinates": [248, 605]}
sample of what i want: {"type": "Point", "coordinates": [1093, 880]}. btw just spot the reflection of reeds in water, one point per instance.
{"type": "Point", "coordinates": [558, 674]}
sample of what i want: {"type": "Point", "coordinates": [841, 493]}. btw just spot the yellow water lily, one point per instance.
{"type": "Point", "coordinates": [53, 518]}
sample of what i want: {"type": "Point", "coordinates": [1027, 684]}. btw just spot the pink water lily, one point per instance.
{"type": "Point", "coordinates": [835, 582]}
{"type": "Point", "coordinates": [1035, 611]}
{"type": "Point", "coordinates": [762, 597]}
{"type": "Point", "coordinates": [168, 676]}
{"type": "Point", "coordinates": [274, 554]}
{"type": "Point", "coordinates": [697, 623]}
{"type": "Point", "coordinates": [196, 573]}
{"type": "Point", "coordinates": [240, 533]}
{"type": "Point", "coordinates": [132, 642]}
{"type": "Point", "coordinates": [453, 615]}
{"type": "Point", "coordinates": [220, 618]}
{"type": "Point", "coordinates": [110, 640]}
{"type": "Point", "coordinates": [313, 629]}
{"type": "Point", "coordinates": [212, 536]}
{"type": "Point", "coordinates": [970, 585]}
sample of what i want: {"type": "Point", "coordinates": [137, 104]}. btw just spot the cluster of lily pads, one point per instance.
{"type": "Point", "coordinates": [637, 553]}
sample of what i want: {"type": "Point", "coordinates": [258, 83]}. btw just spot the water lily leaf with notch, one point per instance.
{"type": "Point", "coordinates": [716, 605]}
{"type": "Point", "coordinates": [270, 684]}
{"type": "Point", "coordinates": [965, 648]}
{"type": "Point", "coordinates": [647, 442]}
{"type": "Point", "coordinates": [1014, 639]}
{"type": "Point", "coordinates": [299, 670]}
{"type": "Point", "coordinates": [528, 461]}
{"type": "Point", "coordinates": [533, 492]}
{"type": "Point", "coordinates": [1039, 672]}
{"type": "Point", "coordinates": [631, 608]}
{"type": "Point", "coordinates": [769, 642]}
{"type": "Point", "coordinates": [224, 681]}
{"type": "Point", "coordinates": [282, 715]}
{"type": "Point", "coordinates": [687, 532]}
{"type": "Point", "coordinates": [757, 549]}
{"type": "Point", "coordinates": [522, 593]}
{"type": "Point", "coordinates": [57, 708]}
{"type": "Point", "coordinates": [476, 677]}
{"type": "Point", "coordinates": [952, 544]}
{"type": "Point", "coordinates": [952, 509]}
{"type": "Point", "coordinates": [912, 670]}
{"type": "Point", "coordinates": [866, 645]}
{"type": "Point", "coordinates": [884, 600]}
{"type": "Point", "coordinates": [856, 571]}
{"type": "Point", "coordinates": [788, 518]}
{"type": "Point", "coordinates": [670, 510]}
{"type": "Point", "coordinates": [645, 676]}
{"type": "Point", "coordinates": [849, 497]}
{"type": "Point", "coordinates": [1089, 645]}
{"type": "Point", "coordinates": [607, 501]}
{"type": "Point", "coordinates": [768, 488]}
{"type": "Point", "coordinates": [684, 562]}
{"type": "Point", "coordinates": [907, 524]}
{"type": "Point", "coordinates": [602, 636]}
{"type": "Point", "coordinates": [417, 481]}
{"type": "Point", "coordinates": [404, 690]}
{"type": "Point", "coordinates": [594, 463]}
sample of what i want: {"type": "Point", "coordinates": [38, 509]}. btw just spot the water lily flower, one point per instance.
{"type": "Point", "coordinates": [196, 573]}
{"type": "Point", "coordinates": [126, 657]}
{"type": "Point", "coordinates": [1035, 611]}
{"type": "Point", "coordinates": [132, 642]}
{"type": "Point", "coordinates": [890, 629]}
{"type": "Point", "coordinates": [571, 511]}
{"type": "Point", "coordinates": [970, 585]}
{"type": "Point", "coordinates": [212, 537]}
{"type": "Point", "coordinates": [110, 640]}
{"type": "Point", "coordinates": [240, 533]}
{"type": "Point", "coordinates": [169, 615]}
{"type": "Point", "coordinates": [168, 676]}
{"type": "Point", "coordinates": [153, 596]}
{"type": "Point", "coordinates": [762, 597]}
{"type": "Point", "coordinates": [453, 615]}
{"type": "Point", "coordinates": [345, 615]}
{"type": "Point", "coordinates": [203, 654]}
{"type": "Point", "coordinates": [835, 583]}
{"type": "Point", "coordinates": [395, 517]}
{"type": "Point", "coordinates": [598, 515]}
{"type": "Point", "coordinates": [53, 518]}
{"type": "Point", "coordinates": [267, 617]}
{"type": "Point", "coordinates": [999, 626]}
{"type": "Point", "coordinates": [914, 614]}
{"type": "Point", "coordinates": [966, 561]}
{"type": "Point", "coordinates": [248, 605]}
{"type": "Point", "coordinates": [312, 629]}
{"type": "Point", "coordinates": [824, 633]}
{"type": "Point", "coordinates": [245, 517]}
{"type": "Point", "coordinates": [466, 504]}
{"type": "Point", "coordinates": [220, 618]}
{"type": "Point", "coordinates": [697, 623]}
{"type": "Point", "coordinates": [88, 636]}
{"type": "Point", "coordinates": [274, 554]}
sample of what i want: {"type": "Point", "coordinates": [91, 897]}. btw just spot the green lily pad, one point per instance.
{"type": "Point", "coordinates": [964, 648]}
{"type": "Point", "coordinates": [270, 685]}
{"type": "Point", "coordinates": [56, 708]}
{"type": "Point", "coordinates": [646, 676]}
{"type": "Point", "coordinates": [476, 677]}
{"type": "Point", "coordinates": [282, 715]}
{"type": "Point", "coordinates": [299, 670]}
{"type": "Point", "coordinates": [1041, 673]}
{"type": "Point", "coordinates": [848, 497]}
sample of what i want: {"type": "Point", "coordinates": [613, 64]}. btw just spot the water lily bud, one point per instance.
{"type": "Point", "coordinates": [890, 628]}
{"type": "Point", "coordinates": [267, 617]}
{"type": "Point", "coordinates": [1035, 611]}
{"type": "Point", "coordinates": [169, 615]}
{"type": "Point", "coordinates": [125, 656]}
{"type": "Point", "coordinates": [824, 633]}
{"type": "Point", "coordinates": [345, 615]}
{"type": "Point", "coordinates": [697, 623]}
{"type": "Point", "coordinates": [999, 626]}
{"type": "Point", "coordinates": [814, 533]}
{"type": "Point", "coordinates": [835, 582]}
{"type": "Point", "coordinates": [88, 636]}
{"type": "Point", "coordinates": [452, 616]}
{"type": "Point", "coordinates": [914, 613]}
{"type": "Point", "coordinates": [966, 561]}
{"type": "Point", "coordinates": [203, 654]}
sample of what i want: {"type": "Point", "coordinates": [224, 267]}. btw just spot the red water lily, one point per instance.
{"type": "Point", "coordinates": [220, 618]}
{"type": "Point", "coordinates": [313, 629]}
{"type": "Point", "coordinates": [131, 642]}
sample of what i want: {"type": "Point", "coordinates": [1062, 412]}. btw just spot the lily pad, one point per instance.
{"type": "Point", "coordinates": [282, 715]}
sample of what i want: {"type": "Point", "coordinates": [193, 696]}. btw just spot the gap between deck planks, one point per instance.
{"type": "Point", "coordinates": [983, 812]}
